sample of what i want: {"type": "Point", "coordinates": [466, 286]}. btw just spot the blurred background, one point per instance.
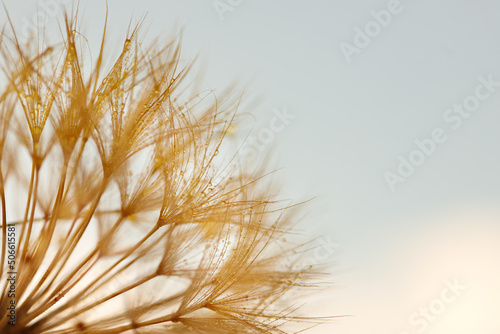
{"type": "Point", "coordinates": [385, 112]}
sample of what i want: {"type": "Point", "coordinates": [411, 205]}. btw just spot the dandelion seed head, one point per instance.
{"type": "Point", "coordinates": [126, 217]}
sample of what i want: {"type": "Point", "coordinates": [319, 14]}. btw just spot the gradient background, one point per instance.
{"type": "Point", "coordinates": [395, 250]}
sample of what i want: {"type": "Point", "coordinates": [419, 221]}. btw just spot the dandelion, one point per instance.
{"type": "Point", "coordinates": [118, 213]}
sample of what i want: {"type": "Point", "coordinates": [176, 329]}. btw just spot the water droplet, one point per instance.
{"type": "Point", "coordinates": [127, 44]}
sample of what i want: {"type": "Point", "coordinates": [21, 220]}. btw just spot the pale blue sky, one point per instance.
{"type": "Point", "coordinates": [352, 120]}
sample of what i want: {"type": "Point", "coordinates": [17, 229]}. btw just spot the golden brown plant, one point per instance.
{"type": "Point", "coordinates": [117, 214]}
